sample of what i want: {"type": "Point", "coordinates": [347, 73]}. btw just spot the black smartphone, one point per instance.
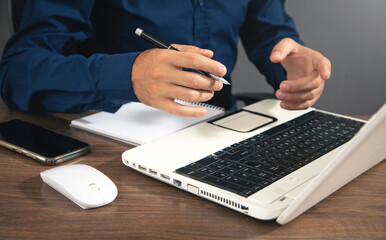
{"type": "Point", "coordinates": [41, 144]}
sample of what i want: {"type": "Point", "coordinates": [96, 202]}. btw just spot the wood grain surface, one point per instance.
{"type": "Point", "coordinates": [148, 209]}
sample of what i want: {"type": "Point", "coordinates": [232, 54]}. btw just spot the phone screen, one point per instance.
{"type": "Point", "coordinates": [38, 140]}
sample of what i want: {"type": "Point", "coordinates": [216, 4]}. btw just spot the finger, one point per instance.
{"type": "Point", "coordinates": [188, 94]}
{"type": "Point", "coordinates": [198, 62]}
{"type": "Point", "coordinates": [168, 105]}
{"type": "Point", "coordinates": [196, 81]}
{"type": "Point", "coordinates": [173, 89]}
{"type": "Point", "coordinates": [299, 96]}
{"type": "Point", "coordinates": [301, 100]}
{"type": "Point", "coordinates": [324, 66]}
{"type": "Point", "coordinates": [193, 49]}
{"type": "Point", "coordinates": [284, 48]}
{"type": "Point", "coordinates": [307, 83]}
{"type": "Point", "coordinates": [297, 106]}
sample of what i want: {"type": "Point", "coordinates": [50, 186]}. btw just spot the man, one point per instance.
{"type": "Point", "coordinates": [42, 70]}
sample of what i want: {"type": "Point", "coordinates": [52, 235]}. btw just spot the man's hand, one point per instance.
{"type": "Point", "coordinates": [158, 79]}
{"type": "Point", "coordinates": [306, 72]}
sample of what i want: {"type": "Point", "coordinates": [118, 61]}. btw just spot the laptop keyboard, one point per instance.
{"type": "Point", "coordinates": [252, 164]}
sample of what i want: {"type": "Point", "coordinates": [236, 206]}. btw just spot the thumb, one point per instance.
{"type": "Point", "coordinates": [283, 49]}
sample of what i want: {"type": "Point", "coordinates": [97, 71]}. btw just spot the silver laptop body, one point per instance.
{"type": "Point", "coordinates": [167, 159]}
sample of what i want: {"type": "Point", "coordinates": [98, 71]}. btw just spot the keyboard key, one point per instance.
{"type": "Point", "coordinates": [215, 166]}
{"type": "Point", "coordinates": [219, 175]}
{"type": "Point", "coordinates": [224, 162]}
{"type": "Point", "coordinates": [208, 160]}
{"type": "Point", "coordinates": [240, 175]}
{"type": "Point", "coordinates": [246, 183]}
{"type": "Point", "coordinates": [276, 129]}
{"type": "Point", "coordinates": [232, 179]}
{"type": "Point", "coordinates": [194, 166]}
{"type": "Point", "coordinates": [275, 169]}
{"type": "Point", "coordinates": [257, 188]}
{"type": "Point", "coordinates": [215, 181]}
{"type": "Point", "coordinates": [249, 170]}
{"type": "Point", "coordinates": [230, 157]}
{"type": "Point", "coordinates": [228, 171]}
{"type": "Point", "coordinates": [254, 179]}
{"type": "Point", "coordinates": [236, 188]}
{"type": "Point", "coordinates": [196, 174]}
{"type": "Point", "coordinates": [206, 170]}
{"type": "Point", "coordinates": [236, 166]}
{"type": "Point", "coordinates": [265, 182]}
{"type": "Point", "coordinates": [263, 174]}
{"type": "Point", "coordinates": [184, 170]}
{"type": "Point", "coordinates": [247, 143]}
{"type": "Point", "coordinates": [247, 192]}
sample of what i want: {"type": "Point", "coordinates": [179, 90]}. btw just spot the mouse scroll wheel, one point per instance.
{"type": "Point", "coordinates": [94, 187]}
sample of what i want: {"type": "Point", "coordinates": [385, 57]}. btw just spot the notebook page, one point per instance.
{"type": "Point", "coordinates": [136, 123]}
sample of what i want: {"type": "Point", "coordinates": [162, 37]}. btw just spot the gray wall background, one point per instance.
{"type": "Point", "coordinates": [351, 33]}
{"type": "Point", "coordinates": [4, 24]}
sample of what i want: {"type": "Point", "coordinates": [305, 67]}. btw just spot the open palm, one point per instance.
{"type": "Point", "coordinates": [306, 70]}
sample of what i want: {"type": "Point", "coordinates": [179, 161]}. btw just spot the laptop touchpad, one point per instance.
{"type": "Point", "coordinates": [244, 121]}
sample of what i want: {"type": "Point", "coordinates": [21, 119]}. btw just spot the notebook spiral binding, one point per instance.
{"type": "Point", "coordinates": [199, 104]}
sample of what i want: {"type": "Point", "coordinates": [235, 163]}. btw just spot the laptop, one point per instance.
{"type": "Point", "coordinates": [264, 161]}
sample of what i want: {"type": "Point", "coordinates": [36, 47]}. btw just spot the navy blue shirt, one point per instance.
{"type": "Point", "coordinates": [43, 70]}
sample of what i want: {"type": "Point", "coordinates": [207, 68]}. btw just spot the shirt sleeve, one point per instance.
{"type": "Point", "coordinates": [266, 24]}
{"type": "Point", "coordinates": [38, 73]}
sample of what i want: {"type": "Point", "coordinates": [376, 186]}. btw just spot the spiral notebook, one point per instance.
{"type": "Point", "coordinates": [136, 123]}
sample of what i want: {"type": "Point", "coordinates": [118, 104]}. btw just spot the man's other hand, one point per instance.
{"type": "Point", "coordinates": [307, 71]}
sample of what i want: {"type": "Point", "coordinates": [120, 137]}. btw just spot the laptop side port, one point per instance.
{"type": "Point", "coordinates": [152, 171]}
{"type": "Point", "coordinates": [166, 177]}
{"type": "Point", "coordinates": [142, 168]}
{"type": "Point", "coordinates": [177, 182]}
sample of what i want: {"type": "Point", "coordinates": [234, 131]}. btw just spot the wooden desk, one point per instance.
{"type": "Point", "coordinates": [148, 209]}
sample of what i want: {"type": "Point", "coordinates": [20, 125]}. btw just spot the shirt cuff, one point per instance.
{"type": "Point", "coordinates": [114, 82]}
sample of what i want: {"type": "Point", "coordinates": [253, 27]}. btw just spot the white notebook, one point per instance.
{"type": "Point", "coordinates": [136, 123]}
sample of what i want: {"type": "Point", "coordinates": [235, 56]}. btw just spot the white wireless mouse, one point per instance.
{"type": "Point", "coordinates": [82, 184]}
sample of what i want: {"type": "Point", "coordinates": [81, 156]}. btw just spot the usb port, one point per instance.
{"type": "Point", "coordinates": [166, 177]}
{"type": "Point", "coordinates": [177, 182]}
{"type": "Point", "coordinates": [142, 168]}
{"type": "Point", "coordinates": [152, 171]}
